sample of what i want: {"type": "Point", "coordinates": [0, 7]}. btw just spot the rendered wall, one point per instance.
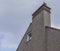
{"type": "Point", "coordinates": [38, 33]}
{"type": "Point", "coordinates": [53, 39]}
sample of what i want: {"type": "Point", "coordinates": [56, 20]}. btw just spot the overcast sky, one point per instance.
{"type": "Point", "coordinates": [15, 17]}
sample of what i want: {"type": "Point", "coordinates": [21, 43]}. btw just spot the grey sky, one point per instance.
{"type": "Point", "coordinates": [15, 17]}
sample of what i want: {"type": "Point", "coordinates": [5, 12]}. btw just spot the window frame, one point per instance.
{"type": "Point", "coordinates": [29, 37]}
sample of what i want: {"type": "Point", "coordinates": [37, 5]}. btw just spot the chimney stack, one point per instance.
{"type": "Point", "coordinates": [45, 14]}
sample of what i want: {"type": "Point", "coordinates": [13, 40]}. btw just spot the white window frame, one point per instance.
{"type": "Point", "coordinates": [29, 37]}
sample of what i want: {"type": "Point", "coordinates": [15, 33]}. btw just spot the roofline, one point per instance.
{"type": "Point", "coordinates": [23, 36]}
{"type": "Point", "coordinates": [52, 28]}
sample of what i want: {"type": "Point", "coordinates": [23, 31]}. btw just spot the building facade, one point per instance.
{"type": "Point", "coordinates": [40, 36]}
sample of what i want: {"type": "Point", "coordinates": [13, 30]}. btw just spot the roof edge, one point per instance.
{"type": "Point", "coordinates": [52, 28]}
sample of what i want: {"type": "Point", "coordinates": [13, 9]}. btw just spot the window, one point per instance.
{"type": "Point", "coordinates": [29, 37]}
